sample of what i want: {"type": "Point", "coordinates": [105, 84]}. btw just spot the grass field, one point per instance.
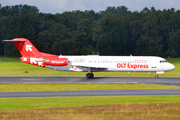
{"type": "Point", "coordinates": [167, 111]}
{"type": "Point", "coordinates": [49, 102]}
{"type": "Point", "coordinates": [88, 108]}
{"type": "Point", "coordinates": [8, 87]}
{"type": "Point", "coordinates": [13, 67]}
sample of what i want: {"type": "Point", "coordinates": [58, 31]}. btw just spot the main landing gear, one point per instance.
{"type": "Point", "coordinates": [89, 75]}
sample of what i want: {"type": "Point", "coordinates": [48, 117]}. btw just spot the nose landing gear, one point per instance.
{"type": "Point", "coordinates": [89, 75]}
{"type": "Point", "coordinates": [156, 76]}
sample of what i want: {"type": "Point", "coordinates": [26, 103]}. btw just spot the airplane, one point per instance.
{"type": "Point", "coordinates": [90, 63]}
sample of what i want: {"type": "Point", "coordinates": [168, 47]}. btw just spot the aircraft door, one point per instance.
{"type": "Point", "coordinates": [153, 64]}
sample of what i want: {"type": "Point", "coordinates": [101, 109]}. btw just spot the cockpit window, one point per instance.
{"type": "Point", "coordinates": [163, 61]}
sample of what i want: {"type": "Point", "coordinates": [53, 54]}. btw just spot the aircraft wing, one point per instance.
{"type": "Point", "coordinates": [92, 67]}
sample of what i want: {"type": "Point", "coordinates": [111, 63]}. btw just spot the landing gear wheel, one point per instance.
{"type": "Point", "coordinates": [156, 76]}
{"type": "Point", "coordinates": [89, 75]}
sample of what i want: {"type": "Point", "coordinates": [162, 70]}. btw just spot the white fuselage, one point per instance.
{"type": "Point", "coordinates": [31, 55]}
{"type": "Point", "coordinates": [115, 63]}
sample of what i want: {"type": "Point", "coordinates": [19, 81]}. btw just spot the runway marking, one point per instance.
{"type": "Point", "coordinates": [107, 82]}
{"type": "Point", "coordinates": [91, 82]}
{"type": "Point", "coordinates": [31, 79]}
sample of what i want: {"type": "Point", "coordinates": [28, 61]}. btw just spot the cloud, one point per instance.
{"type": "Point", "coordinates": [59, 6]}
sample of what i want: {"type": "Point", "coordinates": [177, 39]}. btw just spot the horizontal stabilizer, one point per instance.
{"type": "Point", "coordinates": [25, 47]}
{"type": "Point", "coordinates": [6, 40]}
{"type": "Point", "coordinates": [14, 40]}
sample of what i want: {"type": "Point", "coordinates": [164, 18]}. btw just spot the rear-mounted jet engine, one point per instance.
{"type": "Point", "coordinates": [56, 62]}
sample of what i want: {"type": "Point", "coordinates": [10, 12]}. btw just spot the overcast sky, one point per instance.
{"type": "Point", "coordinates": [60, 6]}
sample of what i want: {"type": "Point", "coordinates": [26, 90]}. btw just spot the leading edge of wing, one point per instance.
{"type": "Point", "coordinates": [92, 67]}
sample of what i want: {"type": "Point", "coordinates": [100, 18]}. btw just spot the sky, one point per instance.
{"type": "Point", "coordinates": [60, 6]}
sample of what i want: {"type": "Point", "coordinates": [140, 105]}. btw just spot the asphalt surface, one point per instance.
{"type": "Point", "coordinates": [91, 93]}
{"type": "Point", "coordinates": [117, 80]}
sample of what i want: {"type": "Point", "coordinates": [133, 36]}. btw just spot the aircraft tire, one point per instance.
{"type": "Point", "coordinates": [156, 76]}
{"type": "Point", "coordinates": [89, 75]}
{"type": "Point", "coordinates": [92, 75]}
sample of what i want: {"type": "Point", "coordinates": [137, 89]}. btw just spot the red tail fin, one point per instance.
{"type": "Point", "coordinates": [26, 48]}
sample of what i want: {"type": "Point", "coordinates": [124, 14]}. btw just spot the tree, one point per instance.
{"type": "Point", "coordinates": [111, 36]}
{"type": "Point", "coordinates": [87, 50]}
{"type": "Point", "coordinates": [174, 44]}
{"type": "Point", "coordinates": [91, 15]}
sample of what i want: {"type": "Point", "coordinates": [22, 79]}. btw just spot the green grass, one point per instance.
{"type": "Point", "coordinates": [7, 104]}
{"type": "Point", "coordinates": [173, 60]}
{"type": "Point", "coordinates": [13, 67]}
{"type": "Point", "coordinates": [64, 87]}
{"type": "Point", "coordinates": [135, 111]}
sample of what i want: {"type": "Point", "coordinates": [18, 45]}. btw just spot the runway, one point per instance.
{"type": "Point", "coordinates": [116, 80]}
{"type": "Point", "coordinates": [91, 93]}
{"type": "Point", "coordinates": [99, 80]}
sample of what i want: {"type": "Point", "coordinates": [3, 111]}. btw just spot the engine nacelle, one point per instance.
{"type": "Point", "coordinates": [56, 62]}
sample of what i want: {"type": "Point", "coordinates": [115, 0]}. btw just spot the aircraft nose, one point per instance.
{"type": "Point", "coordinates": [172, 67]}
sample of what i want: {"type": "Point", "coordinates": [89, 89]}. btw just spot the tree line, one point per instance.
{"type": "Point", "coordinates": [114, 31]}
